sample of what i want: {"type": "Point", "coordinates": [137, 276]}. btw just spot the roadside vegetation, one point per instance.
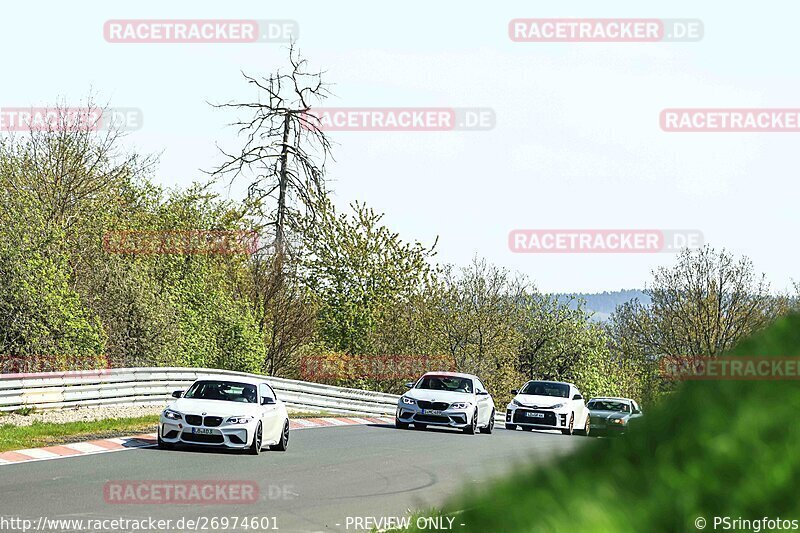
{"type": "Point", "coordinates": [41, 434]}
{"type": "Point", "coordinates": [323, 284]}
{"type": "Point", "coordinates": [710, 450]}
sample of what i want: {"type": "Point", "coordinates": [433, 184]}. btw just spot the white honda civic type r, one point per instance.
{"type": "Point", "coordinates": [548, 405]}
{"type": "Point", "coordinates": [447, 399]}
{"type": "Point", "coordinates": [240, 412]}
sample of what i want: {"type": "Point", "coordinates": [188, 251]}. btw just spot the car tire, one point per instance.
{"type": "Point", "coordinates": [586, 428]}
{"type": "Point", "coordinates": [473, 427]}
{"type": "Point", "coordinates": [570, 430]}
{"type": "Point", "coordinates": [421, 427]}
{"type": "Point", "coordinates": [255, 447]}
{"type": "Point", "coordinates": [164, 445]}
{"type": "Point", "coordinates": [400, 425]}
{"type": "Point", "coordinates": [490, 426]}
{"type": "Point", "coordinates": [284, 442]}
{"type": "Point", "coordinates": [511, 427]}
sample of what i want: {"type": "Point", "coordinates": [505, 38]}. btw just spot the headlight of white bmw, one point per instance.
{"type": "Point", "coordinates": [460, 405]}
{"type": "Point", "coordinates": [516, 402]}
{"type": "Point", "coordinates": [557, 406]}
{"type": "Point", "coordinates": [239, 419]}
{"type": "Point", "coordinates": [407, 401]}
{"type": "Point", "coordinates": [172, 415]}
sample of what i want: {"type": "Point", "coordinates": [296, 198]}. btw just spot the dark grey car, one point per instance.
{"type": "Point", "coordinates": [612, 416]}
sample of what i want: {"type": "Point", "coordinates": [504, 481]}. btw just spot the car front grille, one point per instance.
{"type": "Point", "coordinates": [432, 419]}
{"type": "Point", "coordinates": [438, 406]}
{"type": "Point", "coordinates": [194, 420]}
{"type": "Point", "coordinates": [520, 416]}
{"type": "Point", "coordinates": [212, 421]}
{"type": "Point", "coordinates": [203, 439]}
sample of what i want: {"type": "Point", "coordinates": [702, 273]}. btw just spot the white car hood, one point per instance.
{"type": "Point", "coordinates": [440, 395]}
{"type": "Point", "coordinates": [213, 407]}
{"type": "Point", "coordinates": [529, 400]}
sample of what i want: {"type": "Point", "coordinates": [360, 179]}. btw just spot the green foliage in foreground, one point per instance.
{"type": "Point", "coordinates": [714, 448]}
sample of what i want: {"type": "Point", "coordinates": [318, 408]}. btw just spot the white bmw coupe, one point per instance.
{"type": "Point", "coordinates": [241, 413]}
{"type": "Point", "coordinates": [447, 399]}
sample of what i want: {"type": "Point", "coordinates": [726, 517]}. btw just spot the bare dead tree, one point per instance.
{"type": "Point", "coordinates": [285, 148]}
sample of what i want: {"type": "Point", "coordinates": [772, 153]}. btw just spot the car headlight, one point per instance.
{"type": "Point", "coordinates": [620, 421]}
{"type": "Point", "coordinates": [516, 402]}
{"type": "Point", "coordinates": [557, 406]}
{"type": "Point", "coordinates": [239, 419]}
{"type": "Point", "coordinates": [408, 401]}
{"type": "Point", "coordinates": [172, 415]}
{"type": "Point", "coordinates": [460, 405]}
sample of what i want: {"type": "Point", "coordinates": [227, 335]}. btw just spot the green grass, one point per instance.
{"type": "Point", "coordinates": [48, 434]}
{"type": "Point", "coordinates": [41, 434]}
{"type": "Point", "coordinates": [713, 448]}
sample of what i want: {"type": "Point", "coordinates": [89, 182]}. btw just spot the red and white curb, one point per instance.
{"type": "Point", "coordinates": [146, 440]}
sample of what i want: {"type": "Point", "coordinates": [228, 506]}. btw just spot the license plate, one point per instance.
{"type": "Point", "coordinates": [534, 415]}
{"type": "Point", "coordinates": [202, 431]}
{"type": "Point", "coordinates": [431, 412]}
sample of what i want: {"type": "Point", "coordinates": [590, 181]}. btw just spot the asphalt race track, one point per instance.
{"type": "Point", "coordinates": [327, 475]}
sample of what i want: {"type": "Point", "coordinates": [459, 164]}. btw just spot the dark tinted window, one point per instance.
{"type": "Point", "coordinates": [446, 383]}
{"type": "Point", "coordinates": [544, 388]}
{"type": "Point", "coordinates": [227, 391]}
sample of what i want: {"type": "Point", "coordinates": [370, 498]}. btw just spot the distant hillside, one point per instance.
{"type": "Point", "coordinates": [604, 303]}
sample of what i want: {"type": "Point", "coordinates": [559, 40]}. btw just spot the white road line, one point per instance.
{"type": "Point", "coordinates": [335, 421]}
{"type": "Point", "coordinates": [359, 420]}
{"type": "Point", "coordinates": [305, 423]}
{"type": "Point", "coordinates": [85, 447]}
{"type": "Point", "coordinates": [37, 454]}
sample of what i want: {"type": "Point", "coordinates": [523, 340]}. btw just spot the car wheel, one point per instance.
{"type": "Point", "coordinates": [255, 448]}
{"type": "Point", "coordinates": [586, 428]}
{"type": "Point", "coordinates": [490, 426]}
{"type": "Point", "coordinates": [473, 427]}
{"type": "Point", "coordinates": [511, 427]}
{"type": "Point", "coordinates": [164, 445]}
{"type": "Point", "coordinates": [569, 431]}
{"type": "Point", "coordinates": [400, 425]}
{"type": "Point", "coordinates": [284, 442]}
{"type": "Point", "coordinates": [420, 427]}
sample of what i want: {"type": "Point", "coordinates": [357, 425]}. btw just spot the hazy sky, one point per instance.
{"type": "Point", "coordinates": [577, 142]}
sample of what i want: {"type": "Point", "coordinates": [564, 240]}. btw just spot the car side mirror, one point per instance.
{"type": "Point", "coordinates": [267, 400]}
{"type": "Point", "coordinates": [482, 393]}
{"type": "Point", "coordinates": [177, 394]}
{"type": "Point", "coordinates": [637, 411]}
{"type": "Point", "coordinates": [410, 384]}
{"type": "Point", "coordinates": [577, 397]}
{"type": "Point", "coordinates": [514, 391]}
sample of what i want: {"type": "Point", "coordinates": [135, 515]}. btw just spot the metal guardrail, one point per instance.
{"type": "Point", "coordinates": [130, 386]}
{"type": "Point", "coordinates": [151, 386]}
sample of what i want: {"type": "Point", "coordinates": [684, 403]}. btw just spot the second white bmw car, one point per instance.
{"type": "Point", "coordinates": [447, 399]}
{"type": "Point", "coordinates": [240, 412]}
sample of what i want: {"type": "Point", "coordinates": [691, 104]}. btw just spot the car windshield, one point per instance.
{"type": "Point", "coordinates": [445, 383]}
{"type": "Point", "coordinates": [226, 391]}
{"type": "Point", "coordinates": [543, 388]}
{"type": "Point", "coordinates": [609, 405]}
